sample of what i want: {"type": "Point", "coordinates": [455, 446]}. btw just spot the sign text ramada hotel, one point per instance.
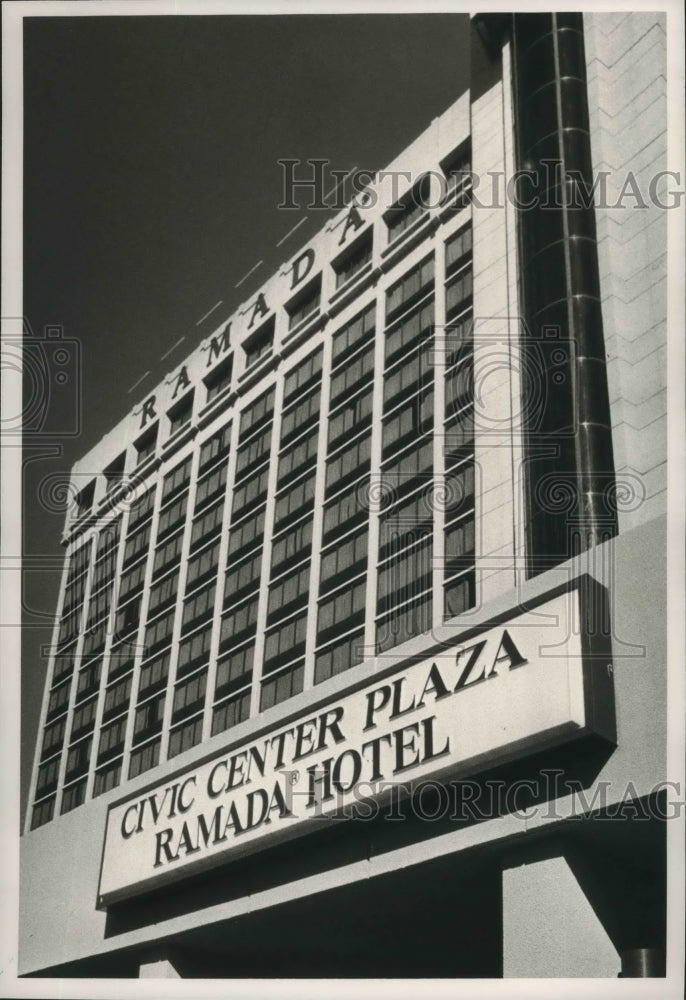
{"type": "Point", "coordinates": [526, 684]}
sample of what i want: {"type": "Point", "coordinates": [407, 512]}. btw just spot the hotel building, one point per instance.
{"type": "Point", "coordinates": [398, 521]}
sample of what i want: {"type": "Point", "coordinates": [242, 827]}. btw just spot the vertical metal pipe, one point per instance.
{"type": "Point", "coordinates": [570, 465]}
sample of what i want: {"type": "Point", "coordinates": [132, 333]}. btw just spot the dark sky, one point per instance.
{"type": "Point", "coordinates": [151, 187]}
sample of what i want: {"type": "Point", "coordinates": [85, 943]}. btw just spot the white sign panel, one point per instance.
{"type": "Point", "coordinates": [528, 683]}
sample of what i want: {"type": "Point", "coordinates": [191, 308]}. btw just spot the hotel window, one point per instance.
{"type": "Point", "coordinates": [98, 607]}
{"type": "Point", "coordinates": [339, 656]}
{"type": "Point", "coordinates": [111, 739]}
{"type": "Point", "coordinates": [148, 719]}
{"type": "Point", "coordinates": [141, 509]}
{"type": "Point", "coordinates": [59, 699]}
{"type": "Point", "coordinates": [94, 642]}
{"type": "Point", "coordinates": [207, 525]}
{"type": "Point", "coordinates": [253, 452]}
{"type": "Point", "coordinates": [411, 207]}
{"type": "Point", "coordinates": [159, 632]}
{"type": "Point", "coordinates": [354, 334]}
{"type": "Point", "coordinates": [164, 593]}
{"type": "Point", "coordinates": [218, 379]}
{"type": "Point", "coordinates": [48, 774]}
{"type": "Point", "coordinates": [106, 778]}
{"type": "Point", "coordinates": [406, 522]}
{"type": "Point", "coordinates": [293, 501]}
{"type": "Point", "coordinates": [198, 608]}
{"type": "Point", "coordinates": [122, 656]}
{"type": "Point", "coordinates": [288, 594]}
{"type": "Point", "coordinates": [211, 485]}
{"type": "Point", "coordinates": [282, 685]}
{"type": "Point", "coordinates": [408, 422]}
{"type": "Point", "coordinates": [304, 304]}
{"type": "Point", "coordinates": [456, 167]}
{"type": "Point", "coordinates": [154, 673]}
{"type": "Point", "coordinates": [251, 493]}
{"type": "Point", "coordinates": [180, 414]}
{"type": "Point", "coordinates": [64, 663]}
{"type": "Point", "coordinates": [459, 595]}
{"type": "Point", "coordinates": [294, 545]}
{"type": "Point", "coordinates": [144, 758]}
{"type": "Point", "coordinates": [114, 473]}
{"type": "Point", "coordinates": [238, 623]}
{"type": "Point", "coordinates": [128, 618]}
{"type": "Point", "coordinates": [347, 509]}
{"type": "Point", "coordinates": [459, 437]}
{"type": "Point", "coordinates": [230, 712]}
{"type": "Point", "coordinates": [176, 480]}
{"type": "Point", "coordinates": [136, 545]}
{"type": "Point", "coordinates": [342, 610]}
{"type": "Point", "coordinates": [458, 249]}
{"type": "Point", "coordinates": [215, 448]}
{"type": "Point", "coordinates": [243, 577]}
{"type": "Point", "coordinates": [405, 575]}
{"type": "Point", "coordinates": [73, 796]}
{"type": "Point", "coordinates": [117, 698]}
{"type": "Point", "coordinates": [416, 462]}
{"type": "Point", "coordinates": [146, 444]}
{"type": "Point", "coordinates": [172, 516]}
{"type": "Point", "coordinates": [298, 457]}
{"type": "Point", "coordinates": [167, 554]}
{"type": "Point", "coordinates": [84, 499]}
{"type": "Point", "coordinates": [247, 534]}
{"type": "Point", "coordinates": [260, 343]}
{"type": "Point", "coordinates": [301, 377]}
{"type": "Point", "coordinates": [351, 462]}
{"type": "Point", "coordinates": [353, 374]}
{"type": "Point", "coordinates": [354, 260]}
{"type": "Point", "coordinates": [84, 718]}
{"type": "Point", "coordinates": [194, 650]}
{"type": "Point", "coordinates": [203, 564]}
{"type": "Point", "coordinates": [300, 416]}
{"type": "Point", "coordinates": [69, 626]}
{"type": "Point", "coordinates": [106, 562]}
{"type": "Point", "coordinates": [78, 759]}
{"type": "Point", "coordinates": [189, 697]}
{"type": "Point", "coordinates": [352, 416]}
{"type": "Point", "coordinates": [416, 283]}
{"type": "Point", "coordinates": [89, 679]}
{"type": "Point", "coordinates": [257, 414]}
{"type": "Point", "coordinates": [185, 736]}
{"type": "Point", "coordinates": [234, 670]}
{"type": "Point", "coordinates": [458, 295]}
{"type": "Point", "coordinates": [285, 642]}
{"type": "Point", "coordinates": [42, 813]}
{"type": "Point", "coordinates": [346, 559]}
{"type": "Point", "coordinates": [412, 372]}
{"type": "Point", "coordinates": [404, 623]}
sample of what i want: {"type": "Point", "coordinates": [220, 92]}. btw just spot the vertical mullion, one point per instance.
{"type": "Point", "coordinates": [261, 621]}
{"type": "Point", "coordinates": [439, 494]}
{"type": "Point", "coordinates": [376, 490]}
{"type": "Point", "coordinates": [318, 513]}
{"type": "Point", "coordinates": [220, 577]}
{"type": "Point", "coordinates": [111, 618]}
{"type": "Point", "coordinates": [77, 658]}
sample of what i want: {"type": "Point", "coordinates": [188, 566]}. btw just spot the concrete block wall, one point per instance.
{"type": "Point", "coordinates": [626, 66]}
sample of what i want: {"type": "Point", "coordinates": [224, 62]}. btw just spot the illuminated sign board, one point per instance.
{"type": "Point", "coordinates": [538, 678]}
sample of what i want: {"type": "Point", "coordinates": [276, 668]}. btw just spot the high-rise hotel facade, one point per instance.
{"type": "Point", "coordinates": [360, 659]}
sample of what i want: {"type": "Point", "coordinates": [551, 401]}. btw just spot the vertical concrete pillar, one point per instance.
{"type": "Point", "coordinates": [549, 927]}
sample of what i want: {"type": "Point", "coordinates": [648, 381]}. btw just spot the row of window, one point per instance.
{"type": "Point", "coordinates": [407, 461]}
